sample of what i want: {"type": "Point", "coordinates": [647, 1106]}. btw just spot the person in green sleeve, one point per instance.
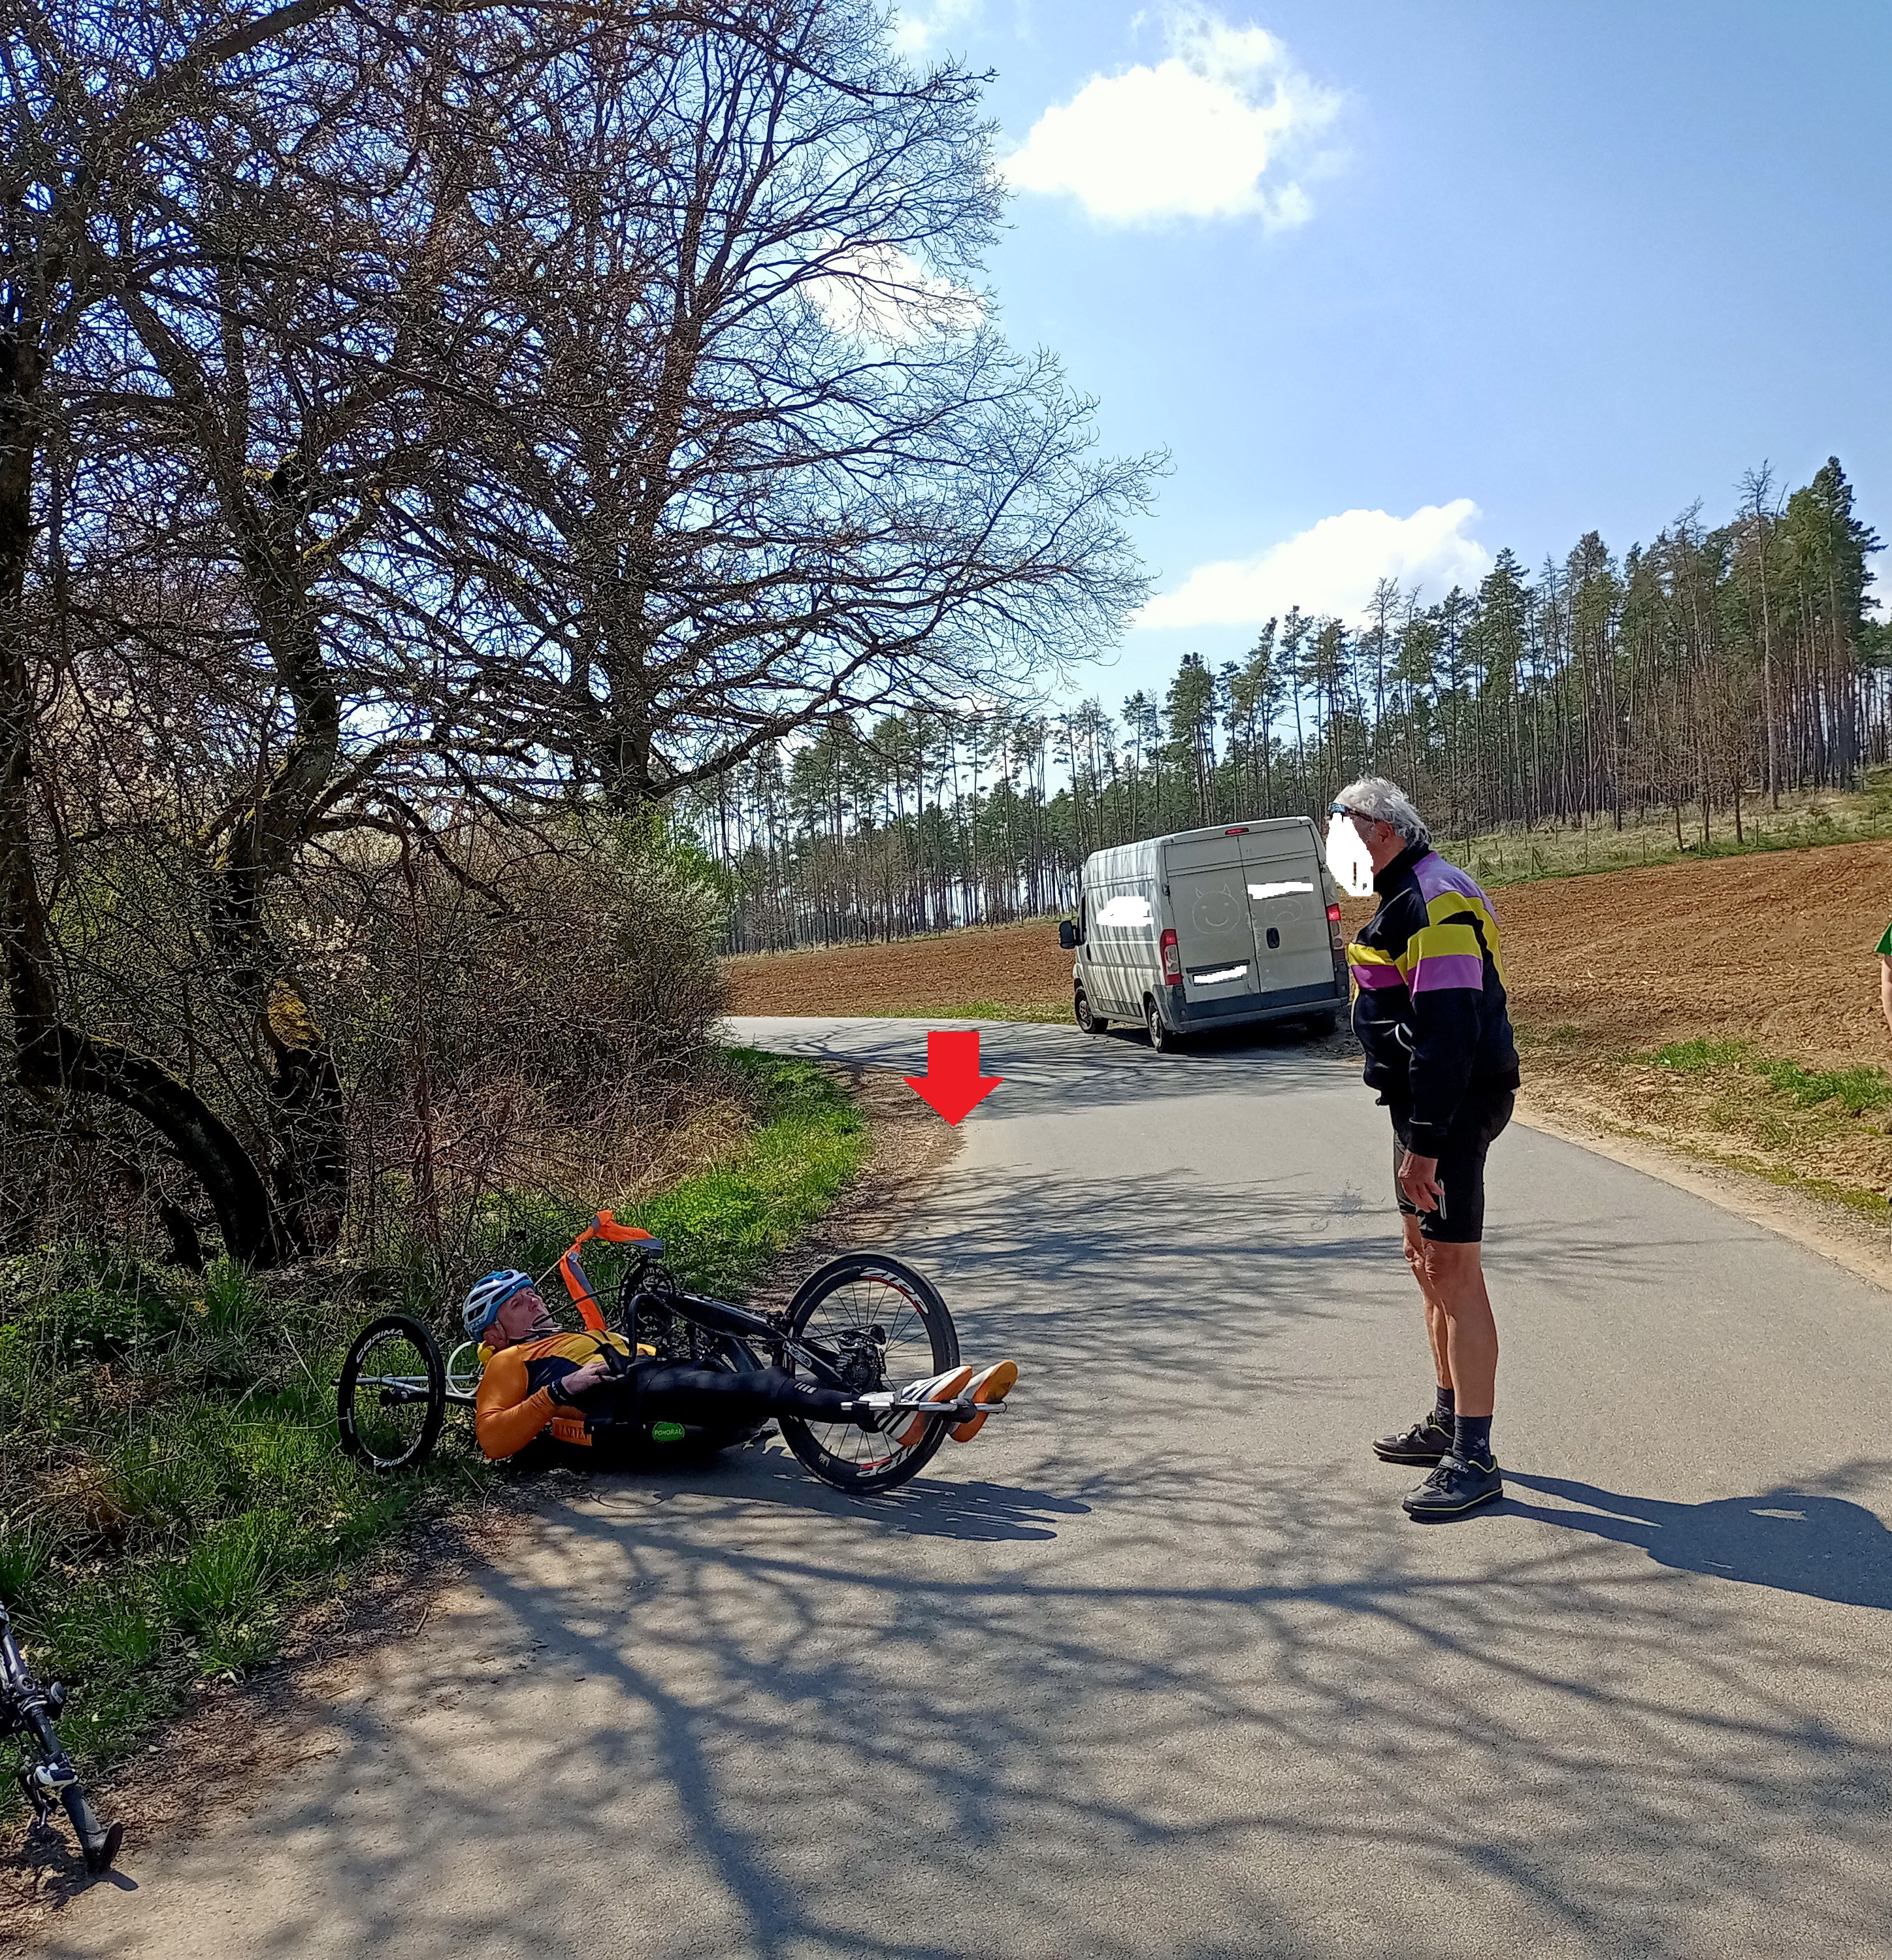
{"type": "Point", "coordinates": [1884, 949]}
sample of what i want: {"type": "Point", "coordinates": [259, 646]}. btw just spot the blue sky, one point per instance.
{"type": "Point", "coordinates": [1482, 273]}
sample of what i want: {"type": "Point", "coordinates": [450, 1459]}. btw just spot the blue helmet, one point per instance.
{"type": "Point", "coordinates": [488, 1295]}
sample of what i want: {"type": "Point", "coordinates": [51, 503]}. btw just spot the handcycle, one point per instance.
{"type": "Point", "coordinates": [863, 1322]}
{"type": "Point", "coordinates": [29, 1710]}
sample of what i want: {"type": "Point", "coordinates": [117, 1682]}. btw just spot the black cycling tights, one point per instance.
{"type": "Point", "coordinates": [715, 1398]}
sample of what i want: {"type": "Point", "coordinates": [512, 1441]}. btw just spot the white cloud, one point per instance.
{"type": "Point", "coordinates": [880, 294]}
{"type": "Point", "coordinates": [1331, 569]}
{"type": "Point", "coordinates": [920, 28]}
{"type": "Point", "coordinates": [1195, 136]}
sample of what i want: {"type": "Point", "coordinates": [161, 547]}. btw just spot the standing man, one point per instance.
{"type": "Point", "coordinates": [1428, 1008]}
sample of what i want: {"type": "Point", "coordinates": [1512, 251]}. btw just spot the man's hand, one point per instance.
{"type": "Point", "coordinates": [1418, 1179]}
{"type": "Point", "coordinates": [582, 1381]}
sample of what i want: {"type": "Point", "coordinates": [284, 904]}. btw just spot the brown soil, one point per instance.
{"type": "Point", "coordinates": [1776, 948]}
{"type": "Point", "coordinates": [1015, 969]}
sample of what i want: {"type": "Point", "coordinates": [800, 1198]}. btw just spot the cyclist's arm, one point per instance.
{"type": "Point", "coordinates": [508, 1412]}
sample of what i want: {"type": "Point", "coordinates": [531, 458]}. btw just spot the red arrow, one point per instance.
{"type": "Point", "coordinates": [952, 1083]}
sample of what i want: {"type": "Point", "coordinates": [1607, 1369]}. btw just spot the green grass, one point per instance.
{"type": "Point", "coordinates": [1856, 1092]}
{"type": "Point", "coordinates": [1767, 1088]}
{"type": "Point", "coordinates": [1003, 1011]}
{"type": "Point", "coordinates": [1692, 1058]}
{"type": "Point", "coordinates": [173, 1487]}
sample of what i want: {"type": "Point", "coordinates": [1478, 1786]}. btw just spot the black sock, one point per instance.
{"type": "Point", "coordinates": [1442, 1408]}
{"type": "Point", "coordinates": [1471, 1439]}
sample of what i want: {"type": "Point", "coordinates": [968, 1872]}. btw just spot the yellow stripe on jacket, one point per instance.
{"type": "Point", "coordinates": [1367, 966]}
{"type": "Point", "coordinates": [1454, 905]}
{"type": "Point", "coordinates": [1446, 955]}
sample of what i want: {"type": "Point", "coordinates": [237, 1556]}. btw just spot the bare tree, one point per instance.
{"type": "Point", "coordinates": [93, 98]}
{"type": "Point", "coordinates": [763, 455]}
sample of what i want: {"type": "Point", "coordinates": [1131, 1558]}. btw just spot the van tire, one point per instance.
{"type": "Point", "coordinates": [1091, 1024]}
{"type": "Point", "coordinates": [1163, 1040]}
{"type": "Point", "coordinates": [1319, 1026]}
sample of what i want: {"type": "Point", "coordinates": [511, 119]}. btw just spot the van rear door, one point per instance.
{"type": "Point", "coordinates": [1208, 903]}
{"type": "Point", "coordinates": [1287, 903]}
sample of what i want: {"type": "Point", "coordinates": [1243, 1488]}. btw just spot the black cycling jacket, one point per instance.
{"type": "Point", "coordinates": [1429, 993]}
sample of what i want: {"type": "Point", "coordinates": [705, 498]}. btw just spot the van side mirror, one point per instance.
{"type": "Point", "coordinates": [1066, 934]}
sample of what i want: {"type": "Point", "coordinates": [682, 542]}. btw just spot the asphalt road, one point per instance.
{"type": "Point", "coordinates": [1157, 1667]}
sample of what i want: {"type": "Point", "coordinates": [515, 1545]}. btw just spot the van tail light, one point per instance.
{"type": "Point", "coordinates": [1172, 958]}
{"type": "Point", "coordinates": [1333, 915]}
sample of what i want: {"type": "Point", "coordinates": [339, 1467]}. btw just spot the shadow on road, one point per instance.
{"type": "Point", "coordinates": [1826, 1547]}
{"type": "Point", "coordinates": [763, 1476]}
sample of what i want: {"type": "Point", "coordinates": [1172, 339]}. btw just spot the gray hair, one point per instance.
{"type": "Point", "coordinates": [1376, 796]}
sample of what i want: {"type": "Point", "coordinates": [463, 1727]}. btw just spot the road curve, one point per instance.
{"type": "Point", "coordinates": [1158, 1667]}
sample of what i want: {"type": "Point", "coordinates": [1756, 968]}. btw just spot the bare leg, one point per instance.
{"type": "Point", "coordinates": [1436, 1320]}
{"type": "Point", "coordinates": [1454, 1279]}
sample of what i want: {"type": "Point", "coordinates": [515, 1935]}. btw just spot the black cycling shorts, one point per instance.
{"type": "Point", "coordinates": [1460, 1220]}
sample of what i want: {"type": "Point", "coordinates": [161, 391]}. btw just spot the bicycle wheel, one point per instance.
{"type": "Point", "coordinates": [884, 1325]}
{"type": "Point", "coordinates": [392, 1395]}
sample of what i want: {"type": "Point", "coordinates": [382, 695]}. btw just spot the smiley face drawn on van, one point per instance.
{"type": "Point", "coordinates": [1219, 908]}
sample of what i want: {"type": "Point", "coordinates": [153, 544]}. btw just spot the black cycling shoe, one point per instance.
{"type": "Point", "coordinates": [1425, 1442]}
{"type": "Point", "coordinates": [1454, 1487]}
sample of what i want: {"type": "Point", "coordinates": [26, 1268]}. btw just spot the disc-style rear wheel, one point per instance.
{"type": "Point", "coordinates": [882, 1325]}
{"type": "Point", "coordinates": [392, 1395]}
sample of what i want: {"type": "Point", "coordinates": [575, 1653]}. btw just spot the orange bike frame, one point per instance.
{"type": "Point", "coordinates": [605, 1227]}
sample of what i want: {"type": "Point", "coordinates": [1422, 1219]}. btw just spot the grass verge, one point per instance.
{"type": "Point", "coordinates": [173, 1485]}
{"type": "Point", "coordinates": [1007, 1010]}
{"type": "Point", "coordinates": [1820, 1132]}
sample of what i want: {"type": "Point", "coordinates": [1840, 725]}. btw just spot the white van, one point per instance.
{"type": "Point", "coordinates": [1209, 928]}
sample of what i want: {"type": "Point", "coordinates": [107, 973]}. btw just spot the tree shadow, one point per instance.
{"type": "Point", "coordinates": [1796, 1540]}
{"type": "Point", "coordinates": [763, 1476]}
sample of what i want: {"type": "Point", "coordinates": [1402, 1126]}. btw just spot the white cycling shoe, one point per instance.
{"type": "Point", "coordinates": [989, 1386]}
{"type": "Point", "coordinates": [890, 1410]}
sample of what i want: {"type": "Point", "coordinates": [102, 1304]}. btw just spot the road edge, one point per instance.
{"type": "Point", "coordinates": [241, 1734]}
{"type": "Point", "coordinates": [1802, 1220]}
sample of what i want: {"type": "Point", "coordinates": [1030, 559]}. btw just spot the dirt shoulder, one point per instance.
{"type": "Point", "coordinates": [239, 1734]}
{"type": "Point", "coordinates": [1717, 1022]}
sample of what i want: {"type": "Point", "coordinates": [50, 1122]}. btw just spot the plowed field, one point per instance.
{"type": "Point", "coordinates": [1776, 948]}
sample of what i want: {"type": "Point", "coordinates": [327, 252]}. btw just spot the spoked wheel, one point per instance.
{"type": "Point", "coordinates": [392, 1395]}
{"type": "Point", "coordinates": [882, 1325]}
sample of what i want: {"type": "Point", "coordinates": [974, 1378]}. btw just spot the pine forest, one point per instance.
{"type": "Point", "coordinates": [1682, 683]}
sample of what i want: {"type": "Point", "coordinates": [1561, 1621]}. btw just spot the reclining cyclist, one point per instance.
{"type": "Point", "coordinates": [535, 1377]}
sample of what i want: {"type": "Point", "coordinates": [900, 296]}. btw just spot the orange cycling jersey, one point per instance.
{"type": "Point", "coordinates": [514, 1403]}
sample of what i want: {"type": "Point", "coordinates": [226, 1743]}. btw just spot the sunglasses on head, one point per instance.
{"type": "Point", "coordinates": [1358, 816]}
